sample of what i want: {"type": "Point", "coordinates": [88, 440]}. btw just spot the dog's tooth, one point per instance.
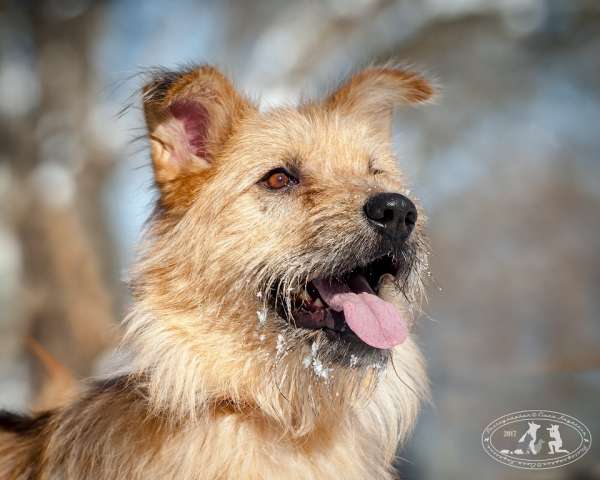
{"type": "Point", "coordinates": [387, 291]}
{"type": "Point", "coordinates": [385, 285]}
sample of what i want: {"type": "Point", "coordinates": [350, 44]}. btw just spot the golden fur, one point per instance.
{"type": "Point", "coordinates": [221, 386]}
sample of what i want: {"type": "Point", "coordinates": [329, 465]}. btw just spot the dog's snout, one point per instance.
{"type": "Point", "coordinates": [392, 214]}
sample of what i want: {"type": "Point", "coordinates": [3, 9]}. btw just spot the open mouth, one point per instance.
{"type": "Point", "coordinates": [349, 305]}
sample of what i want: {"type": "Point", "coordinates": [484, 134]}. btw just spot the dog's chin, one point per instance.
{"type": "Point", "coordinates": [317, 307]}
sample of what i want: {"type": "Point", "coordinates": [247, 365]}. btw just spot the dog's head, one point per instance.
{"type": "Point", "coordinates": [284, 250]}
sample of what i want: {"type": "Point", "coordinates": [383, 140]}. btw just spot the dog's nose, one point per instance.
{"type": "Point", "coordinates": [392, 214]}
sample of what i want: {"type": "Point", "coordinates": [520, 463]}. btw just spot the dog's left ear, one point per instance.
{"type": "Point", "coordinates": [374, 93]}
{"type": "Point", "coordinates": [189, 115]}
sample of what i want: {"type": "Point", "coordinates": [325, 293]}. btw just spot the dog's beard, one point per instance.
{"type": "Point", "coordinates": [317, 353]}
{"type": "Point", "coordinates": [314, 372]}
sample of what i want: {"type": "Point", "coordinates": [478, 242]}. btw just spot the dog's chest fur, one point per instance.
{"type": "Point", "coordinates": [234, 446]}
{"type": "Point", "coordinates": [109, 433]}
{"type": "Point", "coordinates": [85, 441]}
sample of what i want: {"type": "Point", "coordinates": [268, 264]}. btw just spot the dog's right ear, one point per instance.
{"type": "Point", "coordinates": [373, 94]}
{"type": "Point", "coordinates": [189, 116]}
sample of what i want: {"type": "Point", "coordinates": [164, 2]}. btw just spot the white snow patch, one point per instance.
{"type": "Point", "coordinates": [307, 361]}
{"type": "Point", "coordinates": [320, 370]}
{"type": "Point", "coordinates": [262, 316]}
{"type": "Point", "coordinates": [311, 360]}
{"type": "Point", "coordinates": [280, 347]}
{"type": "Point", "coordinates": [378, 366]}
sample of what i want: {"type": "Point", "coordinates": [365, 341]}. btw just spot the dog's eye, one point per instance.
{"type": "Point", "coordinates": [278, 179]}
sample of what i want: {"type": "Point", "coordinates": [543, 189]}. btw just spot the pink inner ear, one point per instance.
{"type": "Point", "coordinates": [194, 119]}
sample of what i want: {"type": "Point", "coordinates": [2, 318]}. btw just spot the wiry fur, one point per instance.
{"type": "Point", "coordinates": [221, 385]}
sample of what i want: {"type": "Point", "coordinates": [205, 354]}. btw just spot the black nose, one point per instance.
{"type": "Point", "coordinates": [392, 214]}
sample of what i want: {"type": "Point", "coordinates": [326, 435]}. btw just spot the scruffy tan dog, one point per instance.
{"type": "Point", "coordinates": [273, 298]}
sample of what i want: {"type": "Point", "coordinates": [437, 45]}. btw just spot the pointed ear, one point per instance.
{"type": "Point", "coordinates": [189, 116]}
{"type": "Point", "coordinates": [375, 92]}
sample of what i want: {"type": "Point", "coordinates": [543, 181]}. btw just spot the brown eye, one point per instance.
{"type": "Point", "coordinates": [278, 179]}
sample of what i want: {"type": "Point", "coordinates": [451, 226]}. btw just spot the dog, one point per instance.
{"type": "Point", "coordinates": [532, 434]}
{"type": "Point", "coordinates": [274, 294]}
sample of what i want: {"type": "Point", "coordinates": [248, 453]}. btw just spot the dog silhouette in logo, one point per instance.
{"type": "Point", "coordinates": [555, 446]}
{"type": "Point", "coordinates": [532, 434]}
{"type": "Point", "coordinates": [535, 449]}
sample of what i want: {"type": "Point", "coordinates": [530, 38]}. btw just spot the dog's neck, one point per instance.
{"type": "Point", "coordinates": [183, 378]}
{"type": "Point", "coordinates": [234, 440]}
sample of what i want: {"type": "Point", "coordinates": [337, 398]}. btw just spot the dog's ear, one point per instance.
{"type": "Point", "coordinates": [373, 94]}
{"type": "Point", "coordinates": [189, 116]}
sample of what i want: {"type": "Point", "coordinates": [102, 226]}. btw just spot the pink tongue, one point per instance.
{"type": "Point", "coordinates": [375, 321]}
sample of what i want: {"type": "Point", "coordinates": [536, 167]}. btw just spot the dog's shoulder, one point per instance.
{"type": "Point", "coordinates": [22, 424]}
{"type": "Point", "coordinates": [50, 442]}
{"type": "Point", "coordinates": [21, 442]}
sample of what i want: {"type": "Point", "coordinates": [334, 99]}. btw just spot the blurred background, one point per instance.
{"type": "Point", "coordinates": [507, 165]}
